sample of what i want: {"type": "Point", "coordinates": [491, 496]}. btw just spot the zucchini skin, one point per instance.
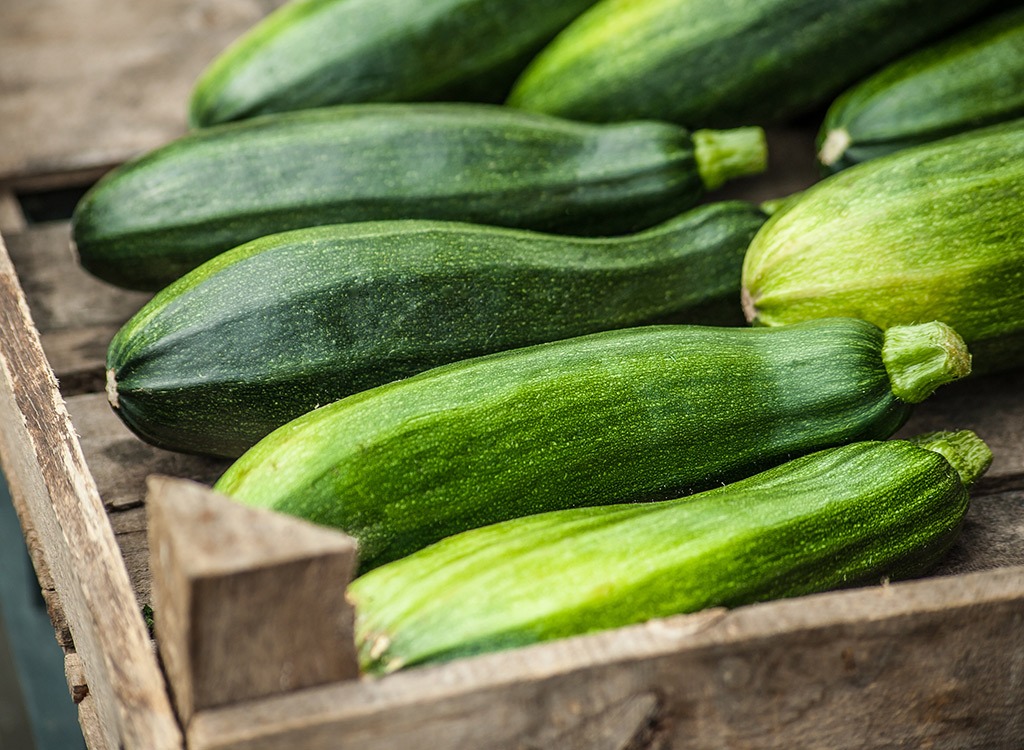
{"type": "Point", "coordinates": [933, 232]}
{"type": "Point", "coordinates": [968, 81]}
{"type": "Point", "coordinates": [630, 415]}
{"type": "Point", "coordinates": [277, 327]}
{"type": "Point", "coordinates": [840, 517]}
{"type": "Point", "coordinates": [154, 219]}
{"type": "Point", "coordinates": [720, 63]}
{"type": "Point", "coordinates": [316, 53]}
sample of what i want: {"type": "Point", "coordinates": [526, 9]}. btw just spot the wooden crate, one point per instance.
{"type": "Point", "coordinates": [254, 644]}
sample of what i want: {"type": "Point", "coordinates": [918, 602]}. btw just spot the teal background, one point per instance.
{"type": "Point", "coordinates": [36, 710]}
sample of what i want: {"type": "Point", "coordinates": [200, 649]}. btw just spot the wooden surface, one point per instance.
{"type": "Point", "coordinates": [85, 85]}
{"type": "Point", "coordinates": [248, 603]}
{"type": "Point", "coordinates": [58, 498]}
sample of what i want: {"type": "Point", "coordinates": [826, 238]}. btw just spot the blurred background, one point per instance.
{"type": "Point", "coordinates": [36, 712]}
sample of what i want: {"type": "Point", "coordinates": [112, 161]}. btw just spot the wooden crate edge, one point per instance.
{"type": "Point", "coordinates": [935, 656]}
{"type": "Point", "coordinates": [43, 459]}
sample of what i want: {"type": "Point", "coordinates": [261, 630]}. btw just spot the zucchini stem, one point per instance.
{"type": "Point", "coordinates": [965, 451]}
{"type": "Point", "coordinates": [726, 154]}
{"type": "Point", "coordinates": [920, 358]}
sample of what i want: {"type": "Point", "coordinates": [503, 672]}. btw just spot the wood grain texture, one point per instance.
{"type": "Point", "coordinates": [46, 470]}
{"type": "Point", "coordinates": [74, 672]}
{"type": "Point", "coordinates": [120, 462]}
{"type": "Point", "coordinates": [130, 530]}
{"type": "Point", "coordinates": [248, 603]}
{"type": "Point", "coordinates": [92, 730]}
{"type": "Point", "coordinates": [76, 313]}
{"type": "Point", "coordinates": [935, 663]}
{"type": "Point", "coordinates": [60, 293]}
{"type": "Point", "coordinates": [86, 85]}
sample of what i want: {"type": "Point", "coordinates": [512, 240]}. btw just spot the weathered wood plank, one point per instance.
{"type": "Point", "coordinates": [992, 536]}
{"type": "Point", "coordinates": [92, 730]}
{"type": "Point", "coordinates": [129, 527]}
{"type": "Point", "coordinates": [74, 672]}
{"type": "Point", "coordinates": [60, 293]}
{"type": "Point", "coordinates": [46, 470]}
{"type": "Point", "coordinates": [76, 313]}
{"type": "Point", "coordinates": [248, 603]}
{"type": "Point", "coordinates": [120, 462]}
{"type": "Point", "coordinates": [90, 83]}
{"type": "Point", "coordinates": [935, 663]}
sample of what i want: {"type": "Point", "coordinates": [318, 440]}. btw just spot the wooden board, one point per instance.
{"type": "Point", "coordinates": [88, 84]}
{"type": "Point", "coordinates": [58, 499]}
{"type": "Point", "coordinates": [935, 664]}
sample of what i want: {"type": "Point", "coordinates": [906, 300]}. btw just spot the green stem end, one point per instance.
{"type": "Point", "coordinates": [965, 451]}
{"type": "Point", "coordinates": [920, 358]}
{"type": "Point", "coordinates": [723, 155]}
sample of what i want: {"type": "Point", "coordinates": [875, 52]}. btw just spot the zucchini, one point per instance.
{"type": "Point", "coordinates": [721, 63]}
{"type": "Point", "coordinates": [629, 415]}
{"type": "Point", "coordinates": [846, 516]}
{"type": "Point", "coordinates": [968, 81]}
{"type": "Point", "coordinates": [315, 53]}
{"type": "Point", "coordinates": [154, 219]}
{"type": "Point", "coordinates": [934, 232]}
{"type": "Point", "coordinates": [270, 330]}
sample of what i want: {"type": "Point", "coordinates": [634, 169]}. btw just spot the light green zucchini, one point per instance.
{"type": "Point", "coordinates": [152, 220]}
{"type": "Point", "coordinates": [630, 415]}
{"type": "Point", "coordinates": [934, 232]}
{"type": "Point", "coordinates": [851, 515]}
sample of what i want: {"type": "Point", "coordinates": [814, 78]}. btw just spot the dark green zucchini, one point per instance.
{"type": "Point", "coordinates": [721, 63]}
{"type": "Point", "coordinates": [933, 232]}
{"type": "Point", "coordinates": [314, 53]}
{"type": "Point", "coordinates": [841, 517]}
{"type": "Point", "coordinates": [631, 415]}
{"type": "Point", "coordinates": [154, 219]}
{"type": "Point", "coordinates": [269, 331]}
{"type": "Point", "coordinates": [968, 81]}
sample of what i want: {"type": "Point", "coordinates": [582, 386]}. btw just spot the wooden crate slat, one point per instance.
{"type": "Point", "coordinates": [933, 663]}
{"type": "Point", "coordinates": [120, 462]}
{"type": "Point", "coordinates": [61, 294]}
{"type": "Point", "coordinates": [992, 536]}
{"type": "Point", "coordinates": [129, 526]}
{"type": "Point", "coordinates": [46, 470]}
{"type": "Point", "coordinates": [77, 314]}
{"type": "Point", "coordinates": [248, 603]}
{"type": "Point", "coordinates": [91, 83]}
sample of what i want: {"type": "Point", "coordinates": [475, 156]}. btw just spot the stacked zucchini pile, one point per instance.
{"type": "Point", "coordinates": [503, 345]}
